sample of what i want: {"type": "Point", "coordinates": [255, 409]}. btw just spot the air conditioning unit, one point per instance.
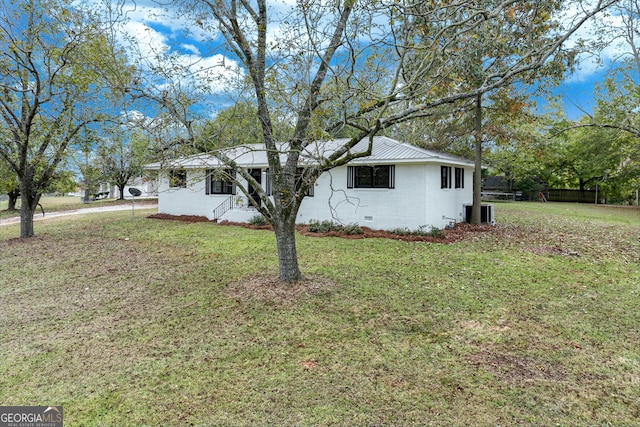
{"type": "Point", "coordinates": [487, 214]}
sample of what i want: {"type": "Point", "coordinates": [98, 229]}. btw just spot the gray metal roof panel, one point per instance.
{"type": "Point", "coordinates": [384, 149]}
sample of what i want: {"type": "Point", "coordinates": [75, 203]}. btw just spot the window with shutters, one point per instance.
{"type": "Point", "coordinates": [220, 181]}
{"type": "Point", "coordinates": [178, 178]}
{"type": "Point", "coordinates": [299, 174]}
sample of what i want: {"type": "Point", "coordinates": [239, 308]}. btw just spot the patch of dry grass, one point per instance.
{"type": "Point", "coordinates": [275, 290]}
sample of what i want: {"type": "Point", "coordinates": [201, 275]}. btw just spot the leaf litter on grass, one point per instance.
{"type": "Point", "coordinates": [274, 289]}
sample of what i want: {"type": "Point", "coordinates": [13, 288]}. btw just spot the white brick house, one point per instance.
{"type": "Point", "coordinates": [397, 186]}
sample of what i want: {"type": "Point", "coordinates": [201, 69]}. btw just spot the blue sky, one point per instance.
{"type": "Point", "coordinates": [577, 96]}
{"type": "Point", "coordinates": [156, 30]}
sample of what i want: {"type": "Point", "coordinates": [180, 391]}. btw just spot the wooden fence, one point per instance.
{"type": "Point", "coordinates": [578, 196]}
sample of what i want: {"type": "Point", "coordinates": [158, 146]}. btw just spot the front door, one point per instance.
{"type": "Point", "coordinates": [257, 175]}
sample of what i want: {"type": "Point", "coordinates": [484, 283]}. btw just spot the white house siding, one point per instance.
{"type": "Point", "coordinates": [193, 200]}
{"type": "Point", "coordinates": [445, 205]}
{"type": "Point", "coordinates": [182, 201]}
{"type": "Point", "coordinates": [377, 208]}
{"type": "Point", "coordinates": [417, 199]}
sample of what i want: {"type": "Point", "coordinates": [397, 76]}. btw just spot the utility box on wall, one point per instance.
{"type": "Point", "coordinates": [487, 214]}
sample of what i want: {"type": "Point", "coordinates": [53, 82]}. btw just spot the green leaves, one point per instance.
{"type": "Point", "coordinates": [55, 81]}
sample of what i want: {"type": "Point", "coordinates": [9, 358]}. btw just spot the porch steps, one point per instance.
{"type": "Point", "coordinates": [223, 208]}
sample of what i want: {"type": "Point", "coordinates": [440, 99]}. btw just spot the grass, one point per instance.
{"type": "Point", "coordinates": [147, 322]}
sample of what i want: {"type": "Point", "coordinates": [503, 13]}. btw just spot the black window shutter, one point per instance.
{"type": "Point", "coordinates": [392, 176]}
{"type": "Point", "coordinates": [351, 171]}
{"type": "Point", "coordinates": [207, 181]}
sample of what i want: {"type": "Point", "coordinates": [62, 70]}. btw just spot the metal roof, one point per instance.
{"type": "Point", "coordinates": [384, 150]}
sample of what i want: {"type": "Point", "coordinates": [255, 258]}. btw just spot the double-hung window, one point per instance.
{"type": "Point", "coordinates": [178, 178]}
{"type": "Point", "coordinates": [299, 178]}
{"type": "Point", "coordinates": [449, 179]}
{"type": "Point", "coordinates": [220, 181]}
{"type": "Point", "coordinates": [445, 176]}
{"type": "Point", "coordinates": [459, 178]}
{"type": "Point", "coordinates": [382, 176]}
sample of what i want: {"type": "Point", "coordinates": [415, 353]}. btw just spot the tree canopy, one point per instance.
{"type": "Point", "coordinates": [54, 74]}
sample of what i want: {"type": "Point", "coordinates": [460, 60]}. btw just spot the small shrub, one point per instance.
{"type": "Point", "coordinates": [401, 231]}
{"type": "Point", "coordinates": [434, 232]}
{"type": "Point", "coordinates": [326, 226]}
{"type": "Point", "coordinates": [353, 229]}
{"type": "Point", "coordinates": [257, 220]}
{"type": "Point", "coordinates": [423, 230]}
{"type": "Point", "coordinates": [316, 226]}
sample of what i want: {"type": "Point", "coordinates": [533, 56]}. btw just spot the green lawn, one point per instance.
{"type": "Point", "coordinates": [148, 322]}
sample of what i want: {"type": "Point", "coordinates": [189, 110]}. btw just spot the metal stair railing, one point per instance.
{"type": "Point", "coordinates": [223, 208]}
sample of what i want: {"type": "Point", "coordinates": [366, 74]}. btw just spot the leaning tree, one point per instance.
{"type": "Point", "coordinates": [359, 67]}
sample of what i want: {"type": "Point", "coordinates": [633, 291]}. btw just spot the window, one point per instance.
{"type": "Point", "coordinates": [178, 178]}
{"type": "Point", "coordinates": [299, 177]}
{"type": "Point", "coordinates": [299, 174]}
{"type": "Point", "coordinates": [459, 178]}
{"type": "Point", "coordinates": [445, 176]}
{"type": "Point", "coordinates": [220, 181]}
{"type": "Point", "coordinates": [371, 176]}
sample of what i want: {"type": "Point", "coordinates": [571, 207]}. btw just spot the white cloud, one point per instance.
{"type": "Point", "coordinates": [214, 73]}
{"type": "Point", "coordinates": [191, 48]}
{"type": "Point", "coordinates": [156, 40]}
{"type": "Point", "coordinates": [146, 39]}
{"type": "Point", "coordinates": [150, 13]}
{"type": "Point", "coordinates": [592, 64]}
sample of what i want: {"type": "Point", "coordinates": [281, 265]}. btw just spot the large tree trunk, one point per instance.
{"type": "Point", "coordinates": [29, 199]}
{"type": "Point", "coordinates": [287, 254]}
{"type": "Point", "coordinates": [13, 199]}
{"type": "Point", "coordinates": [121, 190]}
{"type": "Point", "coordinates": [477, 173]}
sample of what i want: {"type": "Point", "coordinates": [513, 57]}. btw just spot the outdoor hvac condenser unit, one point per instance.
{"type": "Point", "coordinates": [487, 215]}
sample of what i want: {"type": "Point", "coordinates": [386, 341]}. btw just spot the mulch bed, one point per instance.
{"type": "Point", "coordinates": [459, 232]}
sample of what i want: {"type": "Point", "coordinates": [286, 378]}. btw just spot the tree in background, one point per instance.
{"type": "Point", "coordinates": [493, 48]}
{"type": "Point", "coordinates": [9, 185]}
{"type": "Point", "coordinates": [64, 181]}
{"type": "Point", "coordinates": [56, 65]}
{"type": "Point", "coordinates": [617, 100]}
{"type": "Point", "coordinates": [85, 161]}
{"type": "Point", "coordinates": [521, 150]}
{"type": "Point", "coordinates": [618, 97]}
{"type": "Point", "coordinates": [583, 157]}
{"type": "Point", "coordinates": [121, 154]}
{"type": "Point", "coordinates": [235, 125]}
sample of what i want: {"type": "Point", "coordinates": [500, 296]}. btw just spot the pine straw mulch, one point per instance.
{"type": "Point", "coordinates": [459, 232]}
